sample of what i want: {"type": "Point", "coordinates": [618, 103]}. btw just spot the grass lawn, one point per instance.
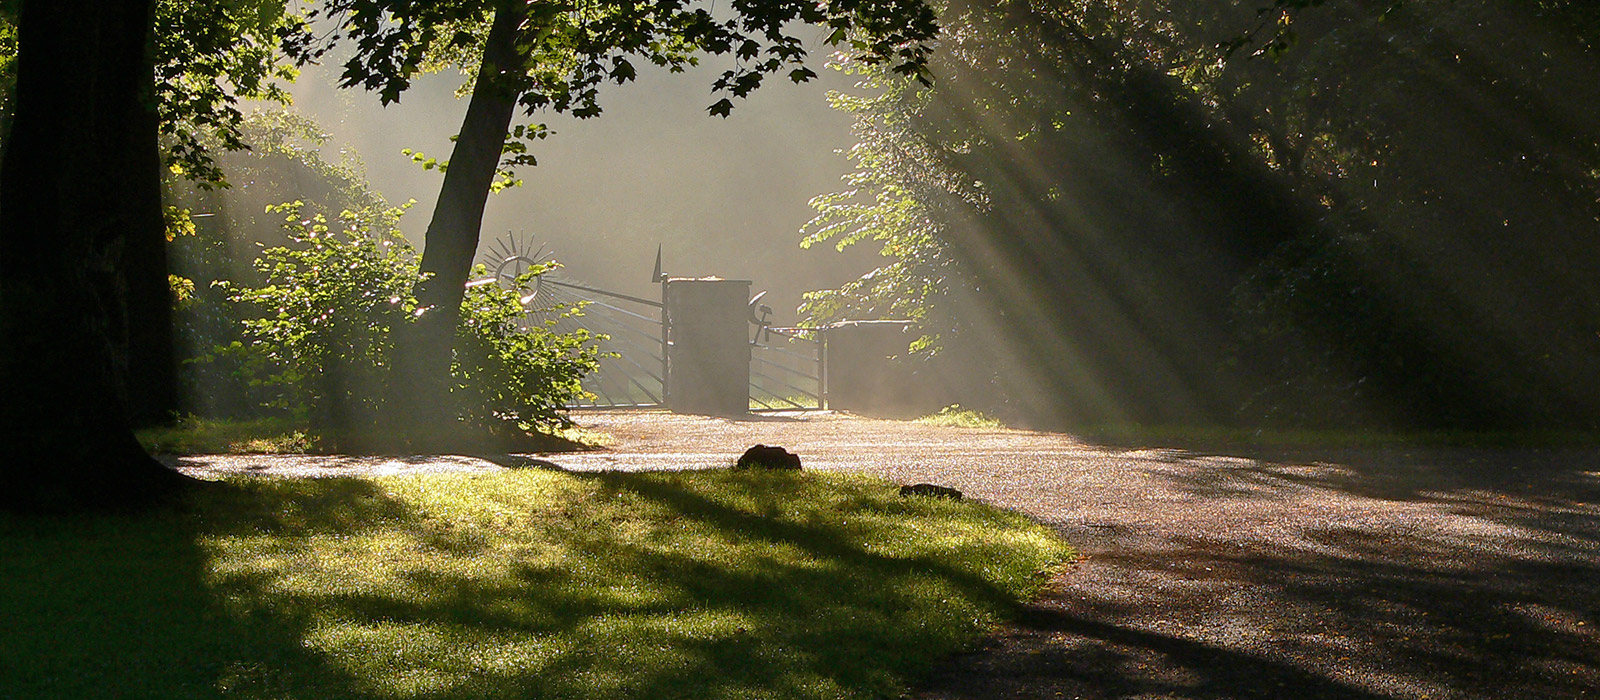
{"type": "Point", "coordinates": [194, 435]}
{"type": "Point", "coordinates": [522, 584]}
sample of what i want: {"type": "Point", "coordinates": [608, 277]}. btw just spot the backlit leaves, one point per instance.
{"type": "Point", "coordinates": [569, 48]}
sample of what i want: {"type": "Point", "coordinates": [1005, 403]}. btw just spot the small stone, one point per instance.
{"type": "Point", "coordinates": [931, 491]}
{"type": "Point", "coordinates": [764, 457]}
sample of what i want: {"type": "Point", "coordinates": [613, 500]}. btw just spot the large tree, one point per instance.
{"type": "Point", "coordinates": [78, 192]}
{"type": "Point", "coordinates": [554, 55]}
{"type": "Point", "coordinates": [86, 344]}
{"type": "Point", "coordinates": [206, 57]}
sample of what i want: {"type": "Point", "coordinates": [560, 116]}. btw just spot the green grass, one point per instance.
{"type": "Point", "coordinates": [957, 417]}
{"type": "Point", "coordinates": [195, 435]}
{"type": "Point", "coordinates": [524, 584]}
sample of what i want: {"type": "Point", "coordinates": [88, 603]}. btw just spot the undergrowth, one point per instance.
{"type": "Point", "coordinates": [956, 416]}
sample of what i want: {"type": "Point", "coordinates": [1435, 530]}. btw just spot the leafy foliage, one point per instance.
{"type": "Point", "coordinates": [955, 416]}
{"type": "Point", "coordinates": [209, 56]}
{"type": "Point", "coordinates": [1381, 224]}
{"type": "Point", "coordinates": [507, 373]}
{"type": "Point", "coordinates": [8, 67]}
{"type": "Point", "coordinates": [888, 203]}
{"type": "Point", "coordinates": [567, 50]}
{"type": "Point", "coordinates": [323, 340]}
{"type": "Point", "coordinates": [225, 230]}
{"type": "Point", "coordinates": [328, 307]}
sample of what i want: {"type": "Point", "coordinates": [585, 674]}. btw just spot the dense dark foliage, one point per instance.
{"type": "Point", "coordinates": [1385, 215]}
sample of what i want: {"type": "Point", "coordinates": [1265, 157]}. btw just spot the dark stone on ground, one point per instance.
{"type": "Point", "coordinates": [765, 457]}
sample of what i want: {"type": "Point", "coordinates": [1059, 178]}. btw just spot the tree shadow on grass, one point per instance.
{"type": "Point", "coordinates": [631, 585]}
{"type": "Point", "coordinates": [120, 606]}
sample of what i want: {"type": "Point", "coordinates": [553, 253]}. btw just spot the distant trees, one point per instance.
{"type": "Point", "coordinates": [1392, 221]}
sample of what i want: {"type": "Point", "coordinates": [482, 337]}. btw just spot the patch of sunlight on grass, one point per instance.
{"type": "Point", "coordinates": [195, 435]}
{"type": "Point", "coordinates": [531, 583]}
{"type": "Point", "coordinates": [957, 417]}
{"type": "Point", "coordinates": [585, 436]}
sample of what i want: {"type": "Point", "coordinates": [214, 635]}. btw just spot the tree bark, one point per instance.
{"type": "Point", "coordinates": [71, 184]}
{"type": "Point", "coordinates": [152, 379]}
{"type": "Point", "coordinates": [419, 401]}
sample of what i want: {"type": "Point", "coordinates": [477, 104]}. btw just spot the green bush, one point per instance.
{"type": "Point", "coordinates": [320, 339]}
{"type": "Point", "coordinates": [508, 374]}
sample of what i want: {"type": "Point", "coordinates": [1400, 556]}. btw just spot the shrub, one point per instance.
{"type": "Point", "coordinates": [510, 374]}
{"type": "Point", "coordinates": [321, 338]}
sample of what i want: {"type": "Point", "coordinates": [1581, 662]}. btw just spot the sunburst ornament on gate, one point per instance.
{"type": "Point", "coordinates": [509, 258]}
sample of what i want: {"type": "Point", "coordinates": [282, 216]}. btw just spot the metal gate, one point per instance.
{"type": "Point", "coordinates": [788, 365]}
{"type": "Point", "coordinates": [629, 329]}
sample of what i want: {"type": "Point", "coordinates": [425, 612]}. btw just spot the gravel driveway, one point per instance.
{"type": "Point", "coordinates": [1365, 574]}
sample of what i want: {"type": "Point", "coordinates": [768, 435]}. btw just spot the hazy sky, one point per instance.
{"type": "Point", "coordinates": [722, 196]}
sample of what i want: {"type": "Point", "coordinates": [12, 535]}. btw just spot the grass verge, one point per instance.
{"type": "Point", "coordinates": [957, 417]}
{"type": "Point", "coordinates": [194, 435]}
{"type": "Point", "coordinates": [524, 584]}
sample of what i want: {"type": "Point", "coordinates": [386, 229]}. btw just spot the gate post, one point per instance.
{"type": "Point", "coordinates": [708, 345]}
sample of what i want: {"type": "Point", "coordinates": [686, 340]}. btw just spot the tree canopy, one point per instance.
{"type": "Point", "coordinates": [1391, 222]}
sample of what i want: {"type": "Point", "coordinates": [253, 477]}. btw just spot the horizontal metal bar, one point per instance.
{"type": "Point", "coordinates": [786, 368]}
{"type": "Point", "coordinates": [625, 312]}
{"type": "Point", "coordinates": [774, 395]}
{"type": "Point", "coordinates": [780, 381]}
{"type": "Point", "coordinates": [613, 295]}
{"type": "Point", "coordinates": [640, 367]}
{"type": "Point", "coordinates": [614, 343]}
{"type": "Point", "coordinates": [790, 353]}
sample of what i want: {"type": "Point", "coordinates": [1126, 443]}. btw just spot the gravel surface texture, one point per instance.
{"type": "Point", "coordinates": [1371, 573]}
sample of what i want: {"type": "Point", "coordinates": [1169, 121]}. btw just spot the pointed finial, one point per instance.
{"type": "Point", "coordinates": [657, 276]}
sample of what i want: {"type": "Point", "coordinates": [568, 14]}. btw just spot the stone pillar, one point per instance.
{"type": "Point", "coordinates": [708, 345]}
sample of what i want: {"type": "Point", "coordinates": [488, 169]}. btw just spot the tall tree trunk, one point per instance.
{"type": "Point", "coordinates": [70, 189]}
{"type": "Point", "coordinates": [419, 401]}
{"type": "Point", "coordinates": [152, 382]}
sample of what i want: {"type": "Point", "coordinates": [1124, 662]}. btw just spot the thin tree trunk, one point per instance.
{"type": "Point", "coordinates": [72, 176]}
{"type": "Point", "coordinates": [419, 402]}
